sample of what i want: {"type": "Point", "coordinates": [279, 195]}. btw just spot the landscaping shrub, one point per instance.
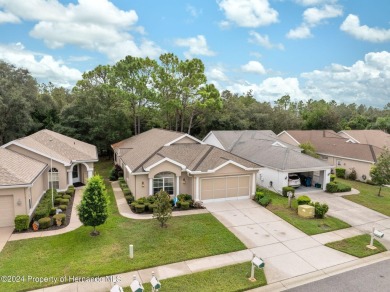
{"type": "Point", "coordinates": [184, 197]}
{"type": "Point", "coordinates": [265, 201]}
{"type": "Point", "coordinates": [66, 197]}
{"type": "Point", "coordinates": [285, 190]}
{"type": "Point", "coordinates": [57, 201]}
{"type": "Point", "coordinates": [22, 222]}
{"type": "Point", "coordinates": [352, 175]}
{"type": "Point", "coordinates": [70, 191]}
{"type": "Point", "coordinates": [343, 188]}
{"type": "Point", "coordinates": [63, 207]}
{"type": "Point", "coordinates": [151, 207]}
{"type": "Point", "coordinates": [132, 205]}
{"type": "Point", "coordinates": [126, 191]}
{"type": "Point", "coordinates": [331, 187]}
{"type": "Point", "coordinates": [332, 177]}
{"type": "Point", "coordinates": [147, 206]}
{"type": "Point", "coordinates": [320, 209]}
{"type": "Point", "coordinates": [129, 199]}
{"type": "Point", "coordinates": [266, 191]}
{"type": "Point", "coordinates": [64, 201]}
{"type": "Point", "coordinates": [44, 223]}
{"type": "Point", "coordinates": [53, 211]}
{"type": "Point", "coordinates": [60, 216]}
{"type": "Point", "coordinates": [142, 200]}
{"type": "Point", "coordinates": [41, 212]}
{"type": "Point", "coordinates": [340, 172]}
{"type": "Point", "coordinates": [185, 205]}
{"type": "Point", "coordinates": [121, 179]}
{"type": "Point", "coordinates": [113, 175]}
{"type": "Point", "coordinates": [258, 196]}
{"type": "Point", "coordinates": [151, 199]}
{"type": "Point", "coordinates": [303, 200]}
{"type": "Point", "coordinates": [139, 208]}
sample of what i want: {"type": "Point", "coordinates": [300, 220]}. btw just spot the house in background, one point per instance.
{"type": "Point", "coordinates": [376, 138]}
{"type": "Point", "coordinates": [279, 159]}
{"type": "Point", "coordinates": [30, 165]}
{"type": "Point", "coordinates": [336, 150]}
{"type": "Point", "coordinates": [179, 163]}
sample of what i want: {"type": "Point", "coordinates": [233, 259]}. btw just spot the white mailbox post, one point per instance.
{"type": "Point", "coordinates": [256, 263]}
{"type": "Point", "coordinates": [136, 286]}
{"type": "Point", "coordinates": [155, 283]}
{"type": "Point", "coordinates": [116, 288]}
{"type": "Point", "coordinates": [375, 233]}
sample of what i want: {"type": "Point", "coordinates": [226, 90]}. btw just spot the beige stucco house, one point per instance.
{"type": "Point", "coordinates": [336, 150]}
{"type": "Point", "coordinates": [30, 165]}
{"type": "Point", "coordinates": [179, 163]}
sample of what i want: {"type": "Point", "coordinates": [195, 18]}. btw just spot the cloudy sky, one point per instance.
{"type": "Point", "coordinates": [330, 49]}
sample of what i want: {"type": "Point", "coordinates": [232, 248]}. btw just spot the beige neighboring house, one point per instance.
{"type": "Point", "coordinates": [179, 163]}
{"type": "Point", "coordinates": [279, 159]}
{"type": "Point", "coordinates": [70, 161]}
{"type": "Point", "coordinates": [22, 182]}
{"type": "Point", "coordinates": [376, 138]}
{"type": "Point", "coordinates": [337, 150]}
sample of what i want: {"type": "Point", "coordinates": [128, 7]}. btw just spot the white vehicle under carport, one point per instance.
{"type": "Point", "coordinates": [294, 180]}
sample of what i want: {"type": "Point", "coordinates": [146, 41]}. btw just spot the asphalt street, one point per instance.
{"type": "Point", "coordinates": [375, 277]}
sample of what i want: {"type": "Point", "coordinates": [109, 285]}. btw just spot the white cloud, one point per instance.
{"type": "Point", "coordinates": [197, 46]}
{"type": "Point", "coordinates": [314, 2]}
{"type": "Point", "coordinates": [217, 74]}
{"type": "Point", "coordinates": [314, 16]}
{"type": "Point", "coordinates": [253, 67]}
{"type": "Point", "coordinates": [248, 13]}
{"type": "Point", "coordinates": [301, 32]}
{"type": "Point", "coordinates": [365, 82]}
{"type": "Point", "coordinates": [96, 25]}
{"type": "Point", "coordinates": [351, 25]}
{"type": "Point", "coordinates": [8, 17]}
{"type": "Point", "coordinates": [193, 11]}
{"type": "Point", "coordinates": [263, 40]}
{"type": "Point", "coordinates": [41, 66]}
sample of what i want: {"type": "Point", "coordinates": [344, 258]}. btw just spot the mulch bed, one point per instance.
{"type": "Point", "coordinates": [54, 226]}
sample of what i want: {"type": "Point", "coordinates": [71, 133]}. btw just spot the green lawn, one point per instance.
{"type": "Point", "coordinates": [368, 196]}
{"type": "Point", "coordinates": [78, 254]}
{"type": "Point", "coordinates": [229, 278]}
{"type": "Point", "coordinates": [356, 246]}
{"type": "Point", "coordinates": [279, 206]}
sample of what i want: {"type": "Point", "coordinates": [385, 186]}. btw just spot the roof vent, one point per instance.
{"type": "Point", "coordinates": [278, 144]}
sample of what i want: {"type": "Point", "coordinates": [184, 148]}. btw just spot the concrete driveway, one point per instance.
{"type": "Point", "coordinates": [360, 217]}
{"type": "Point", "coordinates": [287, 251]}
{"type": "Point", "coordinates": [5, 234]}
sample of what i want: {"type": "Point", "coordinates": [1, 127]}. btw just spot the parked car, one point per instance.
{"type": "Point", "coordinates": [294, 180]}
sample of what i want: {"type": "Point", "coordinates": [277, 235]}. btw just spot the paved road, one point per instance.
{"type": "Point", "coordinates": [375, 277]}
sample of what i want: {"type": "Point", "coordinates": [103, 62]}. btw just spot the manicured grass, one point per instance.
{"type": "Point", "coordinates": [229, 278]}
{"type": "Point", "coordinates": [368, 196]}
{"type": "Point", "coordinates": [78, 254]}
{"type": "Point", "coordinates": [279, 206]}
{"type": "Point", "coordinates": [356, 246]}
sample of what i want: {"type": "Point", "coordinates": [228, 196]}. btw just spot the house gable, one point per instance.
{"type": "Point", "coordinates": [165, 165]}
{"type": "Point", "coordinates": [211, 139]}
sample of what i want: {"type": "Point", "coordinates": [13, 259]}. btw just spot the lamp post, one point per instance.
{"type": "Point", "coordinates": [51, 177]}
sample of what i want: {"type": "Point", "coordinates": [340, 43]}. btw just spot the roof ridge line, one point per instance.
{"type": "Point", "coordinates": [150, 156]}
{"type": "Point", "coordinates": [238, 139]}
{"type": "Point", "coordinates": [204, 156]}
{"type": "Point", "coordinates": [372, 153]}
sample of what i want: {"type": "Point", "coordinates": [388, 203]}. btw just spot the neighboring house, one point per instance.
{"type": "Point", "coordinates": [179, 163]}
{"type": "Point", "coordinates": [70, 160]}
{"type": "Point", "coordinates": [376, 138]}
{"type": "Point", "coordinates": [278, 158]}
{"type": "Point", "coordinates": [22, 182]}
{"type": "Point", "coordinates": [337, 150]}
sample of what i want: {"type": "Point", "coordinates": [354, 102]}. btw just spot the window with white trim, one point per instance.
{"type": "Point", "coordinates": [54, 180]}
{"type": "Point", "coordinates": [164, 181]}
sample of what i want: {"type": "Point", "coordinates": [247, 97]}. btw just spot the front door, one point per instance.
{"type": "Point", "coordinates": [76, 173]}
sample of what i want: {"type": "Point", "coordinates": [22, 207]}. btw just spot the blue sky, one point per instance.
{"type": "Point", "coordinates": [330, 49]}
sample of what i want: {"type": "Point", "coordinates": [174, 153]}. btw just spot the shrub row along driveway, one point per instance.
{"type": "Point", "coordinates": [287, 251]}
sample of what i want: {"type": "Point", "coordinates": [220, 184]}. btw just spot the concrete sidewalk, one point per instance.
{"type": "Point", "coordinates": [124, 208]}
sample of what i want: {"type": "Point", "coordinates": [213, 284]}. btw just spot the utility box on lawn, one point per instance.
{"type": "Point", "coordinates": [306, 211]}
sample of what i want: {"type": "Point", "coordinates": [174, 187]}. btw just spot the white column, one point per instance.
{"type": "Point", "coordinates": [177, 185]}
{"type": "Point", "coordinates": [70, 178]}
{"type": "Point", "coordinates": [197, 197]}
{"type": "Point", "coordinates": [253, 184]}
{"type": "Point", "coordinates": [90, 173]}
{"type": "Point", "coordinates": [150, 186]}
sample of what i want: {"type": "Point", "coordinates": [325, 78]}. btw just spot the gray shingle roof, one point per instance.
{"type": "Point", "coordinates": [262, 148]}
{"type": "Point", "coordinates": [59, 147]}
{"type": "Point", "coordinates": [17, 169]}
{"type": "Point", "coordinates": [376, 138]}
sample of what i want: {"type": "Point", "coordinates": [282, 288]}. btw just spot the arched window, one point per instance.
{"type": "Point", "coordinates": [164, 181]}
{"type": "Point", "coordinates": [54, 181]}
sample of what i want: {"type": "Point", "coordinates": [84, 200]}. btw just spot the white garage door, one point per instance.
{"type": "Point", "coordinates": [7, 214]}
{"type": "Point", "coordinates": [227, 187]}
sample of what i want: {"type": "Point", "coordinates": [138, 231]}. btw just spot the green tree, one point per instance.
{"type": "Point", "coordinates": [380, 172]}
{"type": "Point", "coordinates": [93, 208]}
{"type": "Point", "coordinates": [18, 95]}
{"type": "Point", "coordinates": [163, 210]}
{"type": "Point", "coordinates": [309, 149]}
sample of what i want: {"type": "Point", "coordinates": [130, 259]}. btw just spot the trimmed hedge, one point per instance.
{"type": "Point", "coordinates": [320, 209]}
{"type": "Point", "coordinates": [60, 216]}
{"type": "Point", "coordinates": [303, 200]}
{"type": "Point", "coordinates": [53, 211]}
{"type": "Point", "coordinates": [332, 177]}
{"type": "Point", "coordinates": [67, 197]}
{"type": "Point", "coordinates": [340, 172]}
{"type": "Point", "coordinates": [22, 222]}
{"type": "Point", "coordinates": [185, 205]}
{"type": "Point", "coordinates": [41, 212]}
{"type": "Point", "coordinates": [336, 187]}
{"type": "Point", "coordinates": [265, 201]}
{"type": "Point", "coordinates": [285, 190]}
{"type": "Point", "coordinates": [64, 201]}
{"type": "Point", "coordinates": [57, 201]}
{"type": "Point", "coordinates": [139, 208]}
{"type": "Point", "coordinates": [129, 199]}
{"type": "Point", "coordinates": [44, 223]}
{"type": "Point", "coordinates": [63, 207]}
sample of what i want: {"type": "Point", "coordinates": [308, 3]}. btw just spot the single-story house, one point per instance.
{"type": "Point", "coordinates": [279, 159]}
{"type": "Point", "coordinates": [179, 163]}
{"type": "Point", "coordinates": [336, 150]}
{"type": "Point", "coordinates": [31, 165]}
{"type": "Point", "coordinates": [22, 182]}
{"type": "Point", "coordinates": [376, 138]}
{"type": "Point", "coordinates": [70, 160]}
